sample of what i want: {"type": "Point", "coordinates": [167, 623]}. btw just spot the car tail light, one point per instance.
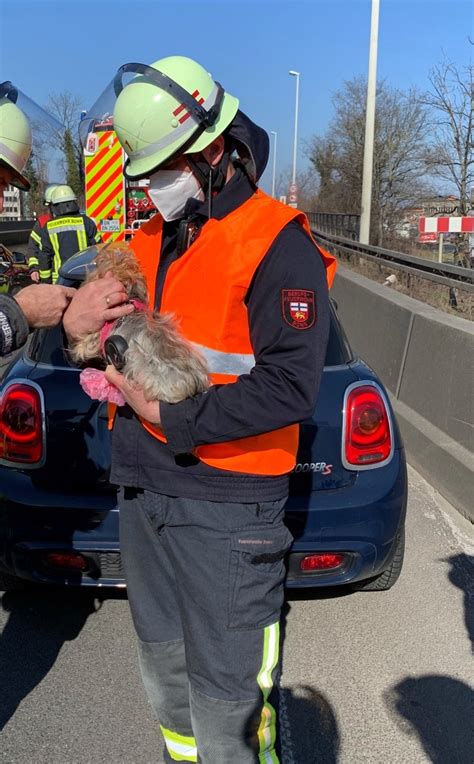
{"type": "Point", "coordinates": [368, 436]}
{"type": "Point", "coordinates": [21, 430]}
{"type": "Point", "coordinates": [322, 561]}
{"type": "Point", "coordinates": [66, 561]}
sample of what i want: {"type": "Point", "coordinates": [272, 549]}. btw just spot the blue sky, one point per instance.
{"type": "Point", "coordinates": [249, 46]}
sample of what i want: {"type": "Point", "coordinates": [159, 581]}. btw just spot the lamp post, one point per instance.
{"type": "Point", "coordinates": [293, 189]}
{"type": "Point", "coordinates": [274, 161]}
{"type": "Point", "coordinates": [367, 172]}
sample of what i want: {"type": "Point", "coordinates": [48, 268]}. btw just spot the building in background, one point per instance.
{"type": "Point", "coordinates": [11, 204]}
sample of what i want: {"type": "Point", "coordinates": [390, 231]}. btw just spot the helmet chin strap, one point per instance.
{"type": "Point", "coordinates": [212, 179]}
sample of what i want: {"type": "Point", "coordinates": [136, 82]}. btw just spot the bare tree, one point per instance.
{"type": "Point", "coordinates": [450, 101]}
{"type": "Point", "coordinates": [67, 108]}
{"type": "Point", "coordinates": [399, 147]}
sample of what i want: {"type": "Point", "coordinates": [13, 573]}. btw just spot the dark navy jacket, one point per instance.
{"type": "Point", "coordinates": [281, 389]}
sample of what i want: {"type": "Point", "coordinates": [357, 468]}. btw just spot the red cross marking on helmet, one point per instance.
{"type": "Point", "coordinates": [183, 106]}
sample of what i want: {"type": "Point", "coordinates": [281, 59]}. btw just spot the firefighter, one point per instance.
{"type": "Point", "coordinates": [65, 234]}
{"type": "Point", "coordinates": [42, 305]}
{"type": "Point", "coordinates": [31, 307]}
{"type": "Point", "coordinates": [34, 242]}
{"type": "Point", "coordinates": [204, 482]}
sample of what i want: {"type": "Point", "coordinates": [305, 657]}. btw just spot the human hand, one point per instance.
{"type": "Point", "coordinates": [97, 302]}
{"type": "Point", "coordinates": [34, 276]}
{"type": "Point", "coordinates": [133, 394]}
{"type": "Point", "coordinates": [44, 304]}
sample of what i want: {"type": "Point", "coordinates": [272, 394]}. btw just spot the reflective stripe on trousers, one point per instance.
{"type": "Point", "coordinates": [205, 585]}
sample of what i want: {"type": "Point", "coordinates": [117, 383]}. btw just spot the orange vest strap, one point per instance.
{"type": "Point", "coordinates": [147, 246]}
{"type": "Point", "coordinates": [111, 413]}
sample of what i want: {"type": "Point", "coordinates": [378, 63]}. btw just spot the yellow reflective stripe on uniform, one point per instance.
{"type": "Point", "coordinates": [64, 224]}
{"type": "Point", "coordinates": [267, 728]}
{"type": "Point", "coordinates": [220, 362]}
{"type": "Point", "coordinates": [57, 257]}
{"type": "Point", "coordinates": [45, 274]}
{"type": "Point", "coordinates": [97, 238]}
{"type": "Point", "coordinates": [180, 747]}
{"type": "Point", "coordinates": [33, 261]}
{"type": "Point", "coordinates": [35, 237]}
{"type": "Point", "coordinates": [82, 239]}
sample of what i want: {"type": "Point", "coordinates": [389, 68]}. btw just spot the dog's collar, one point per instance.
{"type": "Point", "coordinates": [110, 326]}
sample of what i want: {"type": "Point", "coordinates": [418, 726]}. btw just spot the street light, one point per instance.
{"type": "Point", "coordinates": [367, 172]}
{"type": "Point", "coordinates": [295, 141]}
{"type": "Point", "coordinates": [274, 161]}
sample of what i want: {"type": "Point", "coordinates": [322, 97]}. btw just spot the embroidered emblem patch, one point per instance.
{"type": "Point", "coordinates": [298, 307]}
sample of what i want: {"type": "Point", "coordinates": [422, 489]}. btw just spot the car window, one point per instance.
{"type": "Point", "coordinates": [338, 350]}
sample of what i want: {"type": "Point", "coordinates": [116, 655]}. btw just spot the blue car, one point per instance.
{"type": "Point", "coordinates": [58, 510]}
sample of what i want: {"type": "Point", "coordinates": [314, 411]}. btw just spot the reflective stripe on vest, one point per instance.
{"type": "Point", "coordinates": [219, 362]}
{"type": "Point", "coordinates": [206, 292]}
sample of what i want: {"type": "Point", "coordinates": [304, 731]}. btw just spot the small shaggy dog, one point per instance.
{"type": "Point", "coordinates": [157, 356]}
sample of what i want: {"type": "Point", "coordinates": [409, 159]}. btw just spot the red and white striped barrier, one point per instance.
{"type": "Point", "coordinates": [446, 225]}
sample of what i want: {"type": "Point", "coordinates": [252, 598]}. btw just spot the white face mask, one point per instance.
{"type": "Point", "coordinates": [169, 190]}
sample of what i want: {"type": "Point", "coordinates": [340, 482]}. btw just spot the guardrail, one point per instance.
{"type": "Point", "coordinates": [449, 275]}
{"type": "Point", "coordinates": [336, 223]}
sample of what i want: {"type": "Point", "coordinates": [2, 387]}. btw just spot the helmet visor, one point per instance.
{"type": "Point", "coordinates": [47, 134]}
{"type": "Point", "coordinates": [39, 118]}
{"type": "Point", "coordinates": [100, 116]}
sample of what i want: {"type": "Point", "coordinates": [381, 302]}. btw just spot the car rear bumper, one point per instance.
{"type": "Point", "coordinates": [361, 521]}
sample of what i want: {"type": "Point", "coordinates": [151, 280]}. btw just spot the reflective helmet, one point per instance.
{"type": "Point", "coordinates": [62, 194]}
{"type": "Point", "coordinates": [161, 111]}
{"type": "Point", "coordinates": [18, 114]}
{"type": "Point", "coordinates": [48, 193]}
{"type": "Point", "coordinates": [15, 142]}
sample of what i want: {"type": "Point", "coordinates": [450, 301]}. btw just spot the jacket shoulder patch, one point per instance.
{"type": "Point", "coordinates": [298, 307]}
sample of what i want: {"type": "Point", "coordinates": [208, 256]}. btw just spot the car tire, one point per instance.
{"type": "Point", "coordinates": [10, 583]}
{"type": "Point", "coordinates": [388, 578]}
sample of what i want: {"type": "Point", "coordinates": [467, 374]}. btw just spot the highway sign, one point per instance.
{"type": "Point", "coordinates": [425, 238]}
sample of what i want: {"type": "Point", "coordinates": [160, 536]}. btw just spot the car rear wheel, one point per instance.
{"type": "Point", "coordinates": [386, 580]}
{"type": "Point", "coordinates": [10, 583]}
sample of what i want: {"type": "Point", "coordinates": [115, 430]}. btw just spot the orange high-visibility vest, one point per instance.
{"type": "Point", "coordinates": [205, 289]}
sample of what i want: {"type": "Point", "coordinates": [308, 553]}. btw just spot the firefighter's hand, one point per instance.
{"type": "Point", "coordinates": [44, 304]}
{"type": "Point", "coordinates": [34, 276]}
{"type": "Point", "coordinates": [95, 303]}
{"type": "Point", "coordinates": [133, 394]}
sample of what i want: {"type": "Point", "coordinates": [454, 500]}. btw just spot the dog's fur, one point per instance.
{"type": "Point", "coordinates": [159, 358]}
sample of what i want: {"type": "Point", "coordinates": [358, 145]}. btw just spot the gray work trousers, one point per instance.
{"type": "Point", "coordinates": [205, 584]}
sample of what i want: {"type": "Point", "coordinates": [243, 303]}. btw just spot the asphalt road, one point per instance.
{"type": "Point", "coordinates": [368, 677]}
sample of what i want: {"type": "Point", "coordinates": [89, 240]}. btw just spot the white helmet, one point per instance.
{"type": "Point", "coordinates": [17, 114]}
{"type": "Point", "coordinates": [15, 142]}
{"type": "Point", "coordinates": [62, 194]}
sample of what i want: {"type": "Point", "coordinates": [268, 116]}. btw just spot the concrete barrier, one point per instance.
{"type": "Point", "coordinates": [425, 358]}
